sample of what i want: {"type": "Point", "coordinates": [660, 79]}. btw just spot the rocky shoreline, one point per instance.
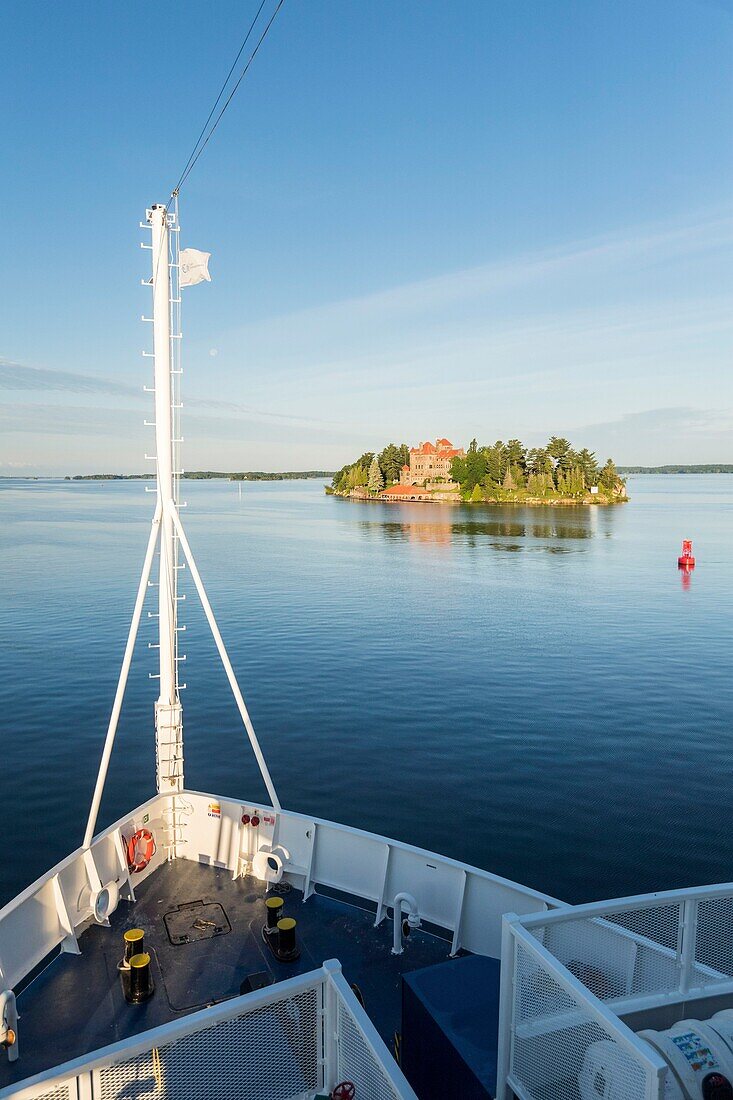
{"type": "Point", "coordinates": [516, 498]}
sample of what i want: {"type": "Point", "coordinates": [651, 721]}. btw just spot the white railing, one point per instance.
{"type": "Point", "coordinates": [465, 901]}
{"type": "Point", "coordinates": [288, 1041]}
{"type": "Point", "coordinates": [46, 915]}
{"type": "Point", "coordinates": [570, 974]}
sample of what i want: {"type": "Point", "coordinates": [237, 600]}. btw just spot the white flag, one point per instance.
{"type": "Point", "coordinates": [193, 267]}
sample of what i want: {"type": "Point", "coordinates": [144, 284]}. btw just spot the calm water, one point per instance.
{"type": "Point", "coordinates": [533, 691]}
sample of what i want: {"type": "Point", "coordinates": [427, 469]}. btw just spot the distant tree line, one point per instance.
{"type": "Point", "coordinates": [209, 475]}
{"type": "Point", "coordinates": [704, 468]}
{"type": "Point", "coordinates": [555, 468]}
{"type": "Point", "coordinates": [373, 471]}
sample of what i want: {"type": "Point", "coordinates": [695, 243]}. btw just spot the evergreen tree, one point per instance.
{"type": "Point", "coordinates": [475, 467]}
{"type": "Point", "coordinates": [496, 463]}
{"type": "Point", "coordinates": [577, 481]}
{"type": "Point", "coordinates": [609, 476]}
{"type": "Point", "coordinates": [392, 459]}
{"type": "Point", "coordinates": [477, 494]}
{"type": "Point", "coordinates": [589, 466]}
{"type": "Point", "coordinates": [458, 469]}
{"type": "Point", "coordinates": [516, 454]}
{"type": "Point", "coordinates": [558, 449]}
{"type": "Point", "coordinates": [518, 476]}
{"type": "Point", "coordinates": [508, 482]}
{"type": "Point", "coordinates": [376, 481]}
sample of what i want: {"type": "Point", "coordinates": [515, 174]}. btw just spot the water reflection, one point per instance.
{"type": "Point", "coordinates": [535, 529]}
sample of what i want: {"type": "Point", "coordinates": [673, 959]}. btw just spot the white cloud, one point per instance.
{"type": "Point", "coordinates": [594, 338]}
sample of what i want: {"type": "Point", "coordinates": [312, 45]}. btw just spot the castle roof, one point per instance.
{"type": "Point", "coordinates": [442, 447]}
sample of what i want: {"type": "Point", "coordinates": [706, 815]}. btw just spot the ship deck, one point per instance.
{"type": "Point", "coordinates": [76, 1005]}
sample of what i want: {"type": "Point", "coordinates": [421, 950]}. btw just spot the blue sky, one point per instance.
{"type": "Point", "coordinates": [483, 218]}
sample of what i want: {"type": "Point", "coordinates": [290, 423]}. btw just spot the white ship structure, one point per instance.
{"type": "Point", "coordinates": [226, 947]}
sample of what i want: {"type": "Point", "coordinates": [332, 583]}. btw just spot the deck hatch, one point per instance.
{"type": "Point", "coordinates": [196, 920]}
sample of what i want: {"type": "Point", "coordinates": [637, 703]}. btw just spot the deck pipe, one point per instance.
{"type": "Point", "coordinates": [413, 919]}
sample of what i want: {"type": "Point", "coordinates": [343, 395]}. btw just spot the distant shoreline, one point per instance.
{"type": "Point", "coordinates": [211, 475]}
{"type": "Point", "coordinates": [303, 475]}
{"type": "Point", "coordinates": [712, 468]}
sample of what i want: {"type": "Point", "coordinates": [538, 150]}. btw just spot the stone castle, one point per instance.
{"type": "Point", "coordinates": [430, 463]}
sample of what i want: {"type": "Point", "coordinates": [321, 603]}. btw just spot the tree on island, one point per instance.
{"type": "Point", "coordinates": [609, 476]}
{"type": "Point", "coordinates": [376, 481]}
{"type": "Point", "coordinates": [586, 460]}
{"type": "Point", "coordinates": [392, 459]}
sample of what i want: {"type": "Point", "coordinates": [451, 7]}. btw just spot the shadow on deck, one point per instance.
{"type": "Point", "coordinates": [76, 1005]}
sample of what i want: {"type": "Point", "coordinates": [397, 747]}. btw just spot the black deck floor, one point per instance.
{"type": "Point", "coordinates": [76, 1005]}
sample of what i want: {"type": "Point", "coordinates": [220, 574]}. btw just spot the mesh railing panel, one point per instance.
{"type": "Point", "coordinates": [714, 938]}
{"type": "Point", "coordinates": [641, 952]}
{"type": "Point", "coordinates": [627, 954]}
{"type": "Point", "coordinates": [58, 1092]}
{"type": "Point", "coordinates": [557, 1042]}
{"type": "Point", "coordinates": [271, 1052]}
{"type": "Point", "coordinates": [357, 1063]}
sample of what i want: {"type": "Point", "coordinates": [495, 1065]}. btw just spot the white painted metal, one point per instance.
{"type": "Point", "coordinates": [346, 1002]}
{"type": "Point", "coordinates": [507, 1021]}
{"type": "Point", "coordinates": [646, 952]}
{"type": "Point", "coordinates": [413, 919]}
{"type": "Point", "coordinates": [239, 699]}
{"type": "Point", "coordinates": [122, 682]}
{"type": "Point", "coordinates": [324, 853]}
{"type": "Point", "coordinates": [544, 1024]}
{"type": "Point", "coordinates": [655, 900]}
{"type": "Point", "coordinates": [168, 710]}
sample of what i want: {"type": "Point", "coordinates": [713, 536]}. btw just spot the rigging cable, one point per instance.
{"type": "Point", "coordinates": [200, 146]}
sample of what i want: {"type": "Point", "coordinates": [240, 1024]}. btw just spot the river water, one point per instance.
{"type": "Point", "coordinates": [535, 691]}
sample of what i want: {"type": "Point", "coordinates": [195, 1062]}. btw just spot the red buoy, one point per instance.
{"type": "Point", "coordinates": [686, 560]}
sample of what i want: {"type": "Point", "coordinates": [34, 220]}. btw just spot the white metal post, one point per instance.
{"type": "Point", "coordinates": [506, 1005]}
{"type": "Point", "coordinates": [330, 1026]}
{"type": "Point", "coordinates": [168, 711]}
{"type": "Point", "coordinates": [688, 943]}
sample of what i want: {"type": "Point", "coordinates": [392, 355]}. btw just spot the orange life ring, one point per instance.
{"type": "Point", "coordinates": [140, 850]}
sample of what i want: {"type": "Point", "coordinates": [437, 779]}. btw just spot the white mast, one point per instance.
{"type": "Point", "coordinates": [166, 532]}
{"type": "Point", "coordinates": [168, 710]}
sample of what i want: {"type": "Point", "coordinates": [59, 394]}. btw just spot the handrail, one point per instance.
{"type": "Point", "coordinates": [607, 1019]}
{"type": "Point", "coordinates": [628, 904]}
{"type": "Point", "coordinates": [167, 1033]}
{"type": "Point", "coordinates": [80, 1075]}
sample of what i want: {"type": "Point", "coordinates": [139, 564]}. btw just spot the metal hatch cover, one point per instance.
{"type": "Point", "coordinates": [196, 920]}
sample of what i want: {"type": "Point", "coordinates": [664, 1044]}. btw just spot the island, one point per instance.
{"type": "Point", "coordinates": [497, 473]}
